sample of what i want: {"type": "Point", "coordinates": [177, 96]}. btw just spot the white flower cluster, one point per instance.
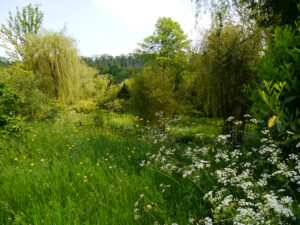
{"type": "Point", "coordinates": [253, 183]}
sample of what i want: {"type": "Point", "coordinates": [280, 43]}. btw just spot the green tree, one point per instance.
{"type": "Point", "coordinates": [152, 91]}
{"type": "Point", "coordinates": [55, 58]}
{"type": "Point", "coordinates": [14, 34]}
{"type": "Point", "coordinates": [223, 68]}
{"type": "Point", "coordinates": [168, 40]}
{"type": "Point", "coordinates": [169, 46]}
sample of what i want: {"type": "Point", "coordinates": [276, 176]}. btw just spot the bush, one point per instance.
{"type": "Point", "coordinates": [152, 91]}
{"type": "Point", "coordinates": [35, 104]}
{"type": "Point", "coordinates": [277, 96]}
{"type": "Point", "coordinates": [9, 112]}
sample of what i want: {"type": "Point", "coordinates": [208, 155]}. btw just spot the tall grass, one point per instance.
{"type": "Point", "coordinates": [63, 173]}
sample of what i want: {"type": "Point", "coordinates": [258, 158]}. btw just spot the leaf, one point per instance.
{"type": "Point", "coordinates": [264, 97]}
{"type": "Point", "coordinates": [289, 99]}
{"type": "Point", "coordinates": [272, 121]}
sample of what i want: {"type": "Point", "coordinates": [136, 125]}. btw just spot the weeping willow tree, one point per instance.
{"type": "Point", "coordinates": [64, 75]}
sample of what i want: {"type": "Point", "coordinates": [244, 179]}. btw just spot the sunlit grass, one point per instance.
{"type": "Point", "coordinates": [70, 172]}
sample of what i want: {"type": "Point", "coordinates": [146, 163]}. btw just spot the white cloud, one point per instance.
{"type": "Point", "coordinates": [141, 14]}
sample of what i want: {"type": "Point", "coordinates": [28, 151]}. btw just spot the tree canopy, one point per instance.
{"type": "Point", "coordinates": [168, 40]}
{"type": "Point", "coordinates": [54, 56]}
{"type": "Point", "coordinates": [14, 34]}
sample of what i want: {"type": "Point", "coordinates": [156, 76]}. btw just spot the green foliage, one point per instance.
{"type": "Point", "coordinates": [168, 40]}
{"type": "Point", "coordinates": [267, 13]}
{"type": "Point", "coordinates": [3, 62]}
{"type": "Point", "coordinates": [120, 67]}
{"type": "Point", "coordinates": [14, 34]}
{"type": "Point", "coordinates": [278, 93]}
{"type": "Point", "coordinates": [9, 112]}
{"type": "Point", "coordinates": [272, 13]}
{"type": "Point", "coordinates": [124, 92]}
{"type": "Point", "coordinates": [169, 47]}
{"type": "Point", "coordinates": [223, 68]}
{"type": "Point", "coordinates": [35, 104]}
{"type": "Point", "coordinates": [152, 91]}
{"type": "Point", "coordinates": [63, 74]}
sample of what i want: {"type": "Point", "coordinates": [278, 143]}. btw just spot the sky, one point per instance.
{"type": "Point", "coordinates": [107, 26]}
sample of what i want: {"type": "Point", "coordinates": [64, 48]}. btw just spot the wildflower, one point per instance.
{"type": "Point", "coordinates": [191, 220]}
{"type": "Point", "coordinates": [30, 170]}
{"type": "Point", "coordinates": [16, 159]}
{"type": "Point", "coordinates": [137, 125]}
{"type": "Point", "coordinates": [97, 164]}
{"type": "Point", "coordinates": [110, 167]}
{"type": "Point", "coordinates": [42, 160]}
{"type": "Point", "coordinates": [32, 164]}
{"type": "Point", "coordinates": [207, 221]}
{"type": "Point", "coordinates": [80, 163]}
{"type": "Point", "coordinates": [146, 188]}
{"type": "Point", "coordinates": [229, 119]}
{"type": "Point", "coordinates": [149, 206]}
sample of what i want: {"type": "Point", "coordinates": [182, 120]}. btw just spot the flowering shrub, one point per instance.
{"type": "Point", "coordinates": [242, 184]}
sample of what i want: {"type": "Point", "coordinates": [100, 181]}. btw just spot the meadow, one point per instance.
{"type": "Point", "coordinates": [66, 173]}
{"type": "Point", "coordinates": [175, 133]}
{"type": "Point", "coordinates": [71, 172]}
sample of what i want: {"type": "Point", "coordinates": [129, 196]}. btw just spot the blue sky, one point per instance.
{"type": "Point", "coordinates": [107, 26]}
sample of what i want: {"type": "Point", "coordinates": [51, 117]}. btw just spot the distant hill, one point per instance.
{"type": "Point", "coordinates": [120, 67]}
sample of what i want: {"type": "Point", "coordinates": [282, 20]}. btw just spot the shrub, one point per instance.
{"type": "Point", "coordinates": [9, 111]}
{"type": "Point", "coordinates": [277, 96]}
{"type": "Point", "coordinates": [35, 105]}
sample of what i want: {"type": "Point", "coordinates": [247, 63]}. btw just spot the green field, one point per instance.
{"type": "Point", "coordinates": [64, 173]}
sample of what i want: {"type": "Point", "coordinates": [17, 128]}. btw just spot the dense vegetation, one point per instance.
{"type": "Point", "coordinates": [167, 135]}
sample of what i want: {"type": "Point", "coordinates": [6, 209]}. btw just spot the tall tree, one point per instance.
{"type": "Point", "coordinates": [223, 68]}
{"type": "Point", "coordinates": [14, 34]}
{"type": "Point", "coordinates": [169, 46]}
{"type": "Point", "coordinates": [168, 40]}
{"type": "Point", "coordinates": [54, 56]}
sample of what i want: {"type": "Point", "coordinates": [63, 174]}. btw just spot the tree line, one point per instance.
{"type": "Point", "coordinates": [246, 62]}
